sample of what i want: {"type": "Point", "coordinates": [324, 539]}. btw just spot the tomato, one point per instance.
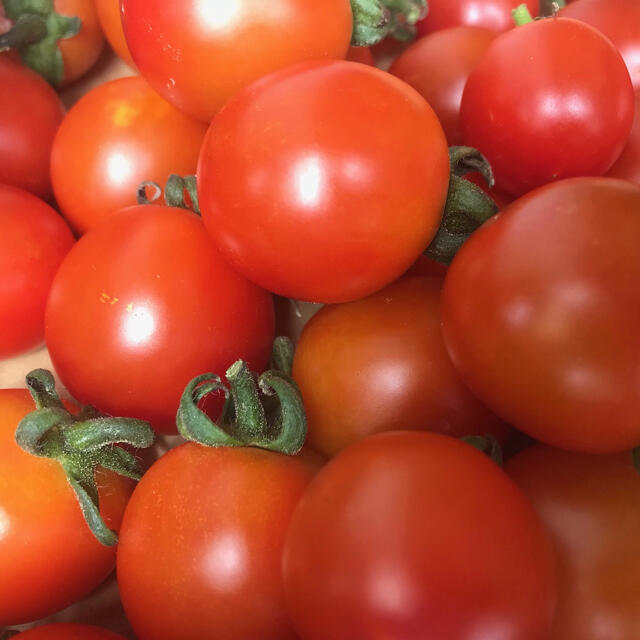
{"type": "Point", "coordinates": [627, 166]}
{"type": "Point", "coordinates": [578, 109]}
{"type": "Point", "coordinates": [540, 312]}
{"type": "Point", "coordinates": [33, 241]}
{"type": "Point", "coordinates": [141, 305]}
{"type": "Point", "coordinates": [421, 65]}
{"type": "Point", "coordinates": [68, 632]}
{"type": "Point", "coordinates": [240, 41]}
{"type": "Point", "coordinates": [49, 558]}
{"type": "Point", "coordinates": [129, 135]}
{"type": "Point", "coordinates": [501, 198]}
{"type": "Point", "coordinates": [30, 113]}
{"type": "Point", "coordinates": [589, 506]}
{"type": "Point", "coordinates": [380, 364]}
{"type": "Point", "coordinates": [416, 535]}
{"type": "Point", "coordinates": [301, 186]}
{"type": "Point", "coordinates": [111, 23]}
{"type": "Point", "coordinates": [204, 532]}
{"type": "Point", "coordinates": [360, 54]}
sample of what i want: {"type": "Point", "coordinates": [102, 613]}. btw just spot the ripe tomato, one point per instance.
{"type": "Point", "coordinates": [111, 23]}
{"type": "Point", "coordinates": [301, 187]}
{"type": "Point", "coordinates": [49, 558]}
{"type": "Point", "coordinates": [30, 113]}
{"type": "Point", "coordinates": [33, 241]}
{"type": "Point", "coordinates": [421, 65]}
{"type": "Point", "coordinates": [380, 364]}
{"type": "Point", "coordinates": [129, 134]}
{"type": "Point", "coordinates": [540, 312]}
{"type": "Point", "coordinates": [204, 532]}
{"type": "Point", "coordinates": [578, 109]}
{"type": "Point", "coordinates": [416, 535]}
{"type": "Point", "coordinates": [627, 166]}
{"type": "Point", "coordinates": [141, 305]}
{"type": "Point", "coordinates": [68, 632]}
{"type": "Point", "coordinates": [589, 506]}
{"type": "Point", "coordinates": [240, 41]}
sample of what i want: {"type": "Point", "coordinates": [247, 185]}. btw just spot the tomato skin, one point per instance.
{"type": "Point", "coordinates": [33, 242]}
{"type": "Point", "coordinates": [588, 505]}
{"type": "Point", "coordinates": [204, 531]}
{"type": "Point", "coordinates": [627, 166]}
{"type": "Point", "coordinates": [577, 115]}
{"type": "Point", "coordinates": [331, 193]}
{"type": "Point", "coordinates": [134, 136]}
{"type": "Point", "coordinates": [245, 41]}
{"type": "Point", "coordinates": [387, 539]}
{"type": "Point", "coordinates": [49, 558]}
{"type": "Point", "coordinates": [68, 632]}
{"type": "Point", "coordinates": [111, 23]}
{"type": "Point", "coordinates": [141, 305]}
{"type": "Point", "coordinates": [555, 350]}
{"type": "Point", "coordinates": [364, 55]}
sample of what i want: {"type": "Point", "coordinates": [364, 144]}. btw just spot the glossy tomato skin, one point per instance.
{"type": "Point", "coordinates": [588, 505]}
{"type": "Point", "coordinates": [380, 364]}
{"type": "Point", "coordinates": [117, 136]}
{"type": "Point", "coordinates": [30, 114]}
{"type": "Point", "coordinates": [34, 239]}
{"type": "Point", "coordinates": [552, 279]}
{"type": "Point", "coordinates": [197, 55]}
{"type": "Point", "coordinates": [68, 632]}
{"type": "Point", "coordinates": [204, 532]}
{"type": "Point", "coordinates": [577, 115]}
{"type": "Point", "coordinates": [300, 184]}
{"type": "Point", "coordinates": [111, 23]}
{"type": "Point", "coordinates": [627, 166]}
{"type": "Point", "coordinates": [387, 539]}
{"type": "Point", "coordinates": [144, 303]}
{"type": "Point", "coordinates": [49, 558]}
{"type": "Point", "coordinates": [441, 85]}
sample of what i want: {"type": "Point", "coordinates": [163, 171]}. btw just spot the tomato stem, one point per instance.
{"type": "Point", "coordinates": [521, 15]}
{"type": "Point", "coordinates": [174, 192]}
{"type": "Point", "coordinates": [282, 355]}
{"type": "Point", "coordinates": [141, 192]}
{"type": "Point", "coordinates": [551, 7]}
{"type": "Point", "coordinates": [28, 29]}
{"type": "Point", "coordinates": [374, 20]}
{"type": "Point", "coordinates": [465, 160]}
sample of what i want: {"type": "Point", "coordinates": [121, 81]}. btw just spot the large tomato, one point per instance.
{"type": "Point", "coordinates": [627, 166]}
{"type": "Point", "coordinates": [68, 632]}
{"type": "Point", "coordinates": [198, 54]}
{"type": "Point", "coordinates": [541, 310]}
{"type": "Point", "coordinates": [410, 535]}
{"type": "Point", "coordinates": [325, 181]}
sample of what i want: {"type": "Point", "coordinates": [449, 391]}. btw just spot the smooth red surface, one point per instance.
{"type": "Point", "coordinates": [68, 632]}
{"type": "Point", "coordinates": [541, 311]}
{"type": "Point", "coordinates": [111, 23]}
{"type": "Point", "coordinates": [410, 535]}
{"type": "Point", "coordinates": [324, 182]}
{"type": "Point", "coordinates": [627, 166]}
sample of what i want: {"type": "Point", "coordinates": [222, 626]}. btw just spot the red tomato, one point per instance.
{"type": "Point", "coordinates": [111, 23]}
{"type": "Point", "coordinates": [627, 166]}
{"type": "Point", "coordinates": [30, 113]}
{"type": "Point", "coordinates": [415, 535]}
{"type": "Point", "coordinates": [589, 506]}
{"type": "Point", "coordinates": [49, 558]}
{"type": "Point", "coordinates": [204, 533]}
{"type": "Point", "coordinates": [302, 189]}
{"type": "Point", "coordinates": [240, 41]}
{"type": "Point", "coordinates": [129, 135]}
{"type": "Point", "coordinates": [33, 241]}
{"type": "Point", "coordinates": [577, 113]}
{"type": "Point", "coordinates": [421, 65]}
{"type": "Point", "coordinates": [360, 54]}
{"type": "Point", "coordinates": [144, 303]}
{"type": "Point", "coordinates": [425, 266]}
{"type": "Point", "coordinates": [541, 311]}
{"type": "Point", "coordinates": [68, 632]}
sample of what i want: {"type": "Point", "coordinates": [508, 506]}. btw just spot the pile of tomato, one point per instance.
{"type": "Point", "coordinates": [445, 448]}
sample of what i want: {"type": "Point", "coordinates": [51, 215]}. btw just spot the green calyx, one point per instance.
{"type": "Point", "coordinates": [265, 412]}
{"type": "Point", "coordinates": [35, 34]}
{"type": "Point", "coordinates": [178, 192]}
{"type": "Point", "coordinates": [487, 445]}
{"type": "Point", "coordinates": [521, 15]}
{"type": "Point", "coordinates": [81, 443]}
{"type": "Point", "coordinates": [551, 7]}
{"type": "Point", "coordinates": [374, 20]}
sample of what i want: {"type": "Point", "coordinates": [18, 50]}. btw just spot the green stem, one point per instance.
{"type": "Point", "coordinates": [282, 355]}
{"type": "Point", "coordinates": [28, 29]}
{"type": "Point", "coordinates": [174, 192]}
{"type": "Point", "coordinates": [488, 445]}
{"type": "Point", "coordinates": [521, 15]}
{"type": "Point", "coordinates": [551, 7]}
{"type": "Point", "coordinates": [141, 192]}
{"type": "Point", "coordinates": [374, 20]}
{"type": "Point", "coordinates": [464, 160]}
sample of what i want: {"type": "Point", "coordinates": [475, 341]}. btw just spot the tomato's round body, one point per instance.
{"type": "Point", "coordinates": [627, 166]}
{"type": "Point", "coordinates": [549, 100]}
{"type": "Point", "coordinates": [416, 535]}
{"type": "Point", "coordinates": [198, 54]}
{"type": "Point", "coordinates": [540, 314]}
{"type": "Point", "coordinates": [68, 632]}
{"type": "Point", "coordinates": [111, 23]}
{"type": "Point", "coordinates": [144, 303]}
{"type": "Point", "coordinates": [49, 558]}
{"type": "Point", "coordinates": [117, 136]}
{"type": "Point", "coordinates": [325, 181]}
{"type": "Point", "coordinates": [201, 544]}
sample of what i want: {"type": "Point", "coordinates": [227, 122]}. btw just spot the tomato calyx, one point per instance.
{"type": "Point", "coordinates": [521, 15]}
{"type": "Point", "coordinates": [282, 355]}
{"type": "Point", "coordinates": [81, 443]}
{"type": "Point", "coordinates": [181, 192]}
{"type": "Point", "coordinates": [374, 20]}
{"type": "Point", "coordinates": [488, 445]}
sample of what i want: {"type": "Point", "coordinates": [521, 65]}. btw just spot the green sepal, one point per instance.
{"type": "Point", "coordinates": [551, 7]}
{"type": "Point", "coordinates": [521, 15]}
{"type": "Point", "coordinates": [175, 189]}
{"type": "Point", "coordinates": [282, 354]}
{"type": "Point", "coordinates": [488, 445]}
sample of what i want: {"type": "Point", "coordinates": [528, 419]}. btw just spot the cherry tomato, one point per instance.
{"type": "Point", "coordinates": [144, 303]}
{"type": "Point", "coordinates": [540, 312]}
{"type": "Point", "coordinates": [301, 186]}
{"type": "Point", "coordinates": [416, 535]}
{"type": "Point", "coordinates": [204, 532]}
{"type": "Point", "coordinates": [240, 41]}
{"type": "Point", "coordinates": [33, 241]}
{"type": "Point", "coordinates": [49, 558]}
{"type": "Point", "coordinates": [627, 166]}
{"type": "Point", "coordinates": [128, 135]}
{"type": "Point", "coordinates": [421, 65]}
{"type": "Point", "coordinates": [30, 113]}
{"type": "Point", "coordinates": [68, 632]}
{"type": "Point", "coordinates": [111, 22]}
{"type": "Point", "coordinates": [551, 99]}
{"type": "Point", "coordinates": [589, 506]}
